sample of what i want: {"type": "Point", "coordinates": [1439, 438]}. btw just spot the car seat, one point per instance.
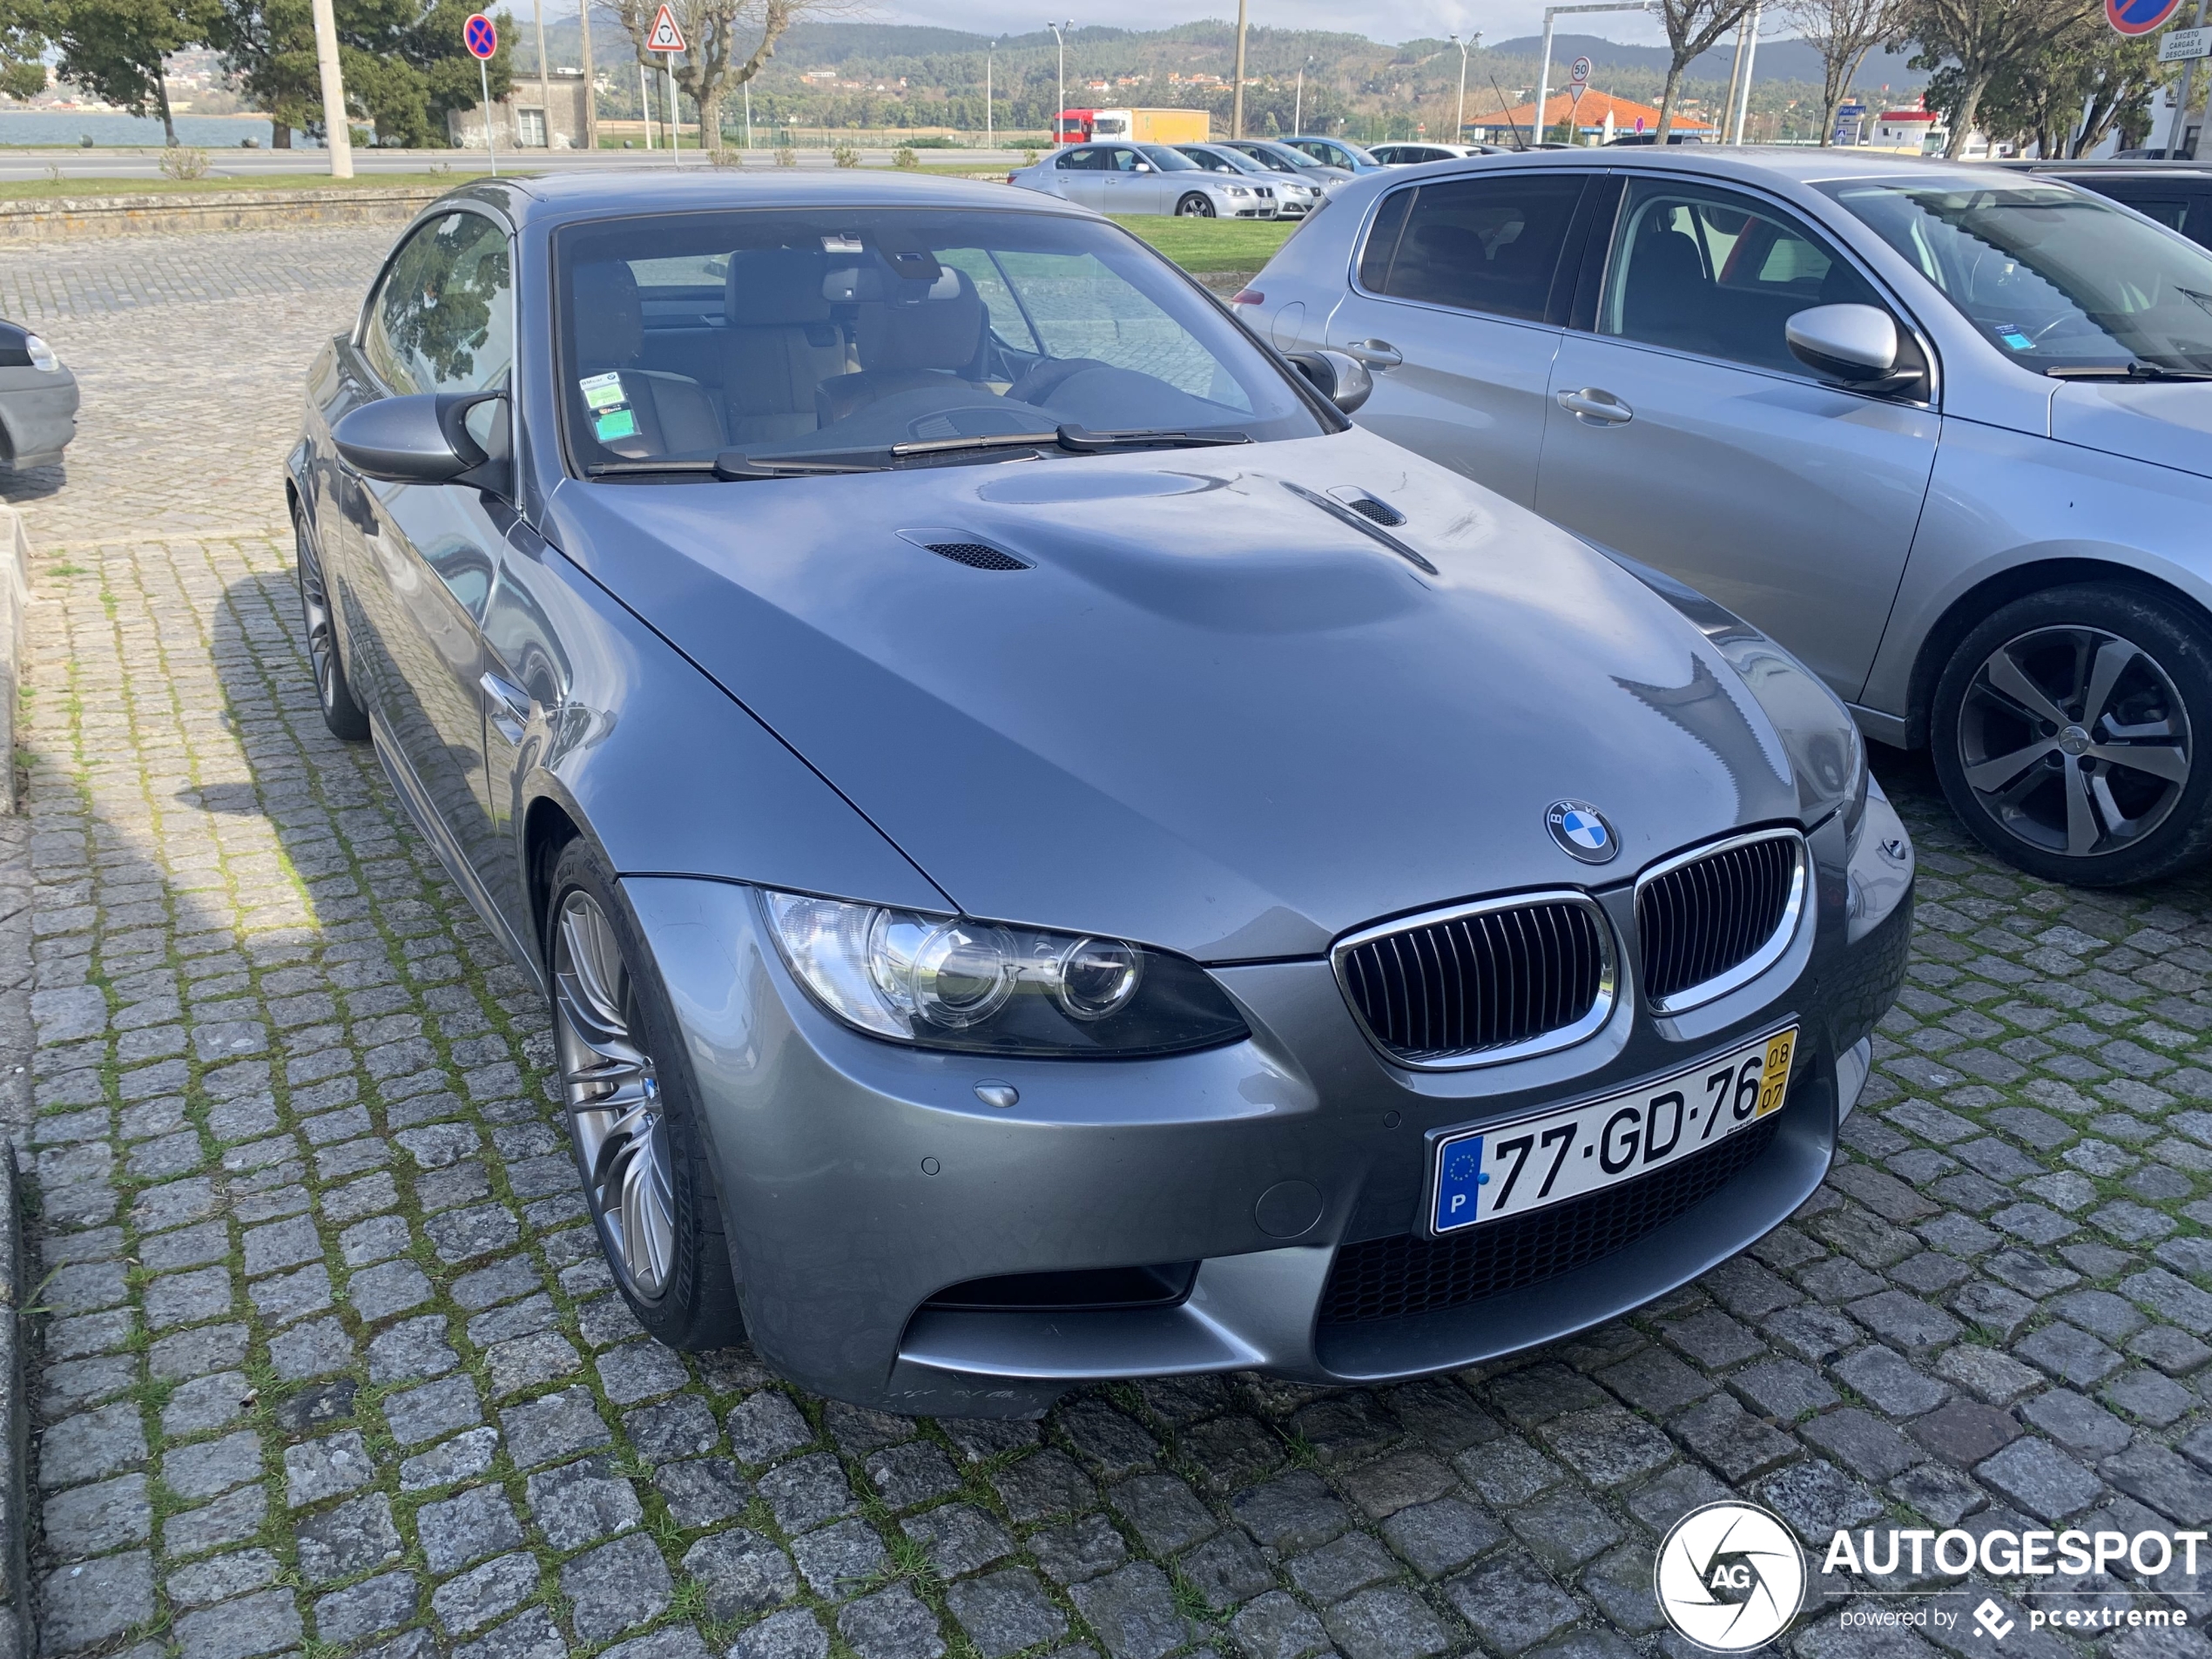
{"type": "Point", "coordinates": [921, 335]}
{"type": "Point", "coordinates": [779, 345]}
{"type": "Point", "coordinates": [673, 414]}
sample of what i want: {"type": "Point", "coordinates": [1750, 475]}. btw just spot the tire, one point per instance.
{"type": "Point", "coordinates": [642, 1158]}
{"type": "Point", "coordinates": [344, 717]}
{"type": "Point", "coordinates": [2024, 740]}
{"type": "Point", "coordinates": [1194, 206]}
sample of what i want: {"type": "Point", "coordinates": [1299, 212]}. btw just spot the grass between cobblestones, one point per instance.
{"type": "Point", "coordinates": [330, 1365]}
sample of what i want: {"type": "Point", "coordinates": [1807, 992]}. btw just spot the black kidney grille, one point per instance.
{"type": "Point", "coordinates": [1698, 921]}
{"type": "Point", "coordinates": [977, 556]}
{"type": "Point", "coordinates": [1384, 1278]}
{"type": "Point", "coordinates": [1487, 981]}
{"type": "Point", "coordinates": [1381, 512]}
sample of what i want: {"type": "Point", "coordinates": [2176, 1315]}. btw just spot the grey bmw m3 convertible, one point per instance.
{"type": "Point", "coordinates": [1054, 856]}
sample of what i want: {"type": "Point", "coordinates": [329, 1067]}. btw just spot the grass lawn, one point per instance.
{"type": "Point", "coordinates": [47, 189]}
{"type": "Point", "coordinates": [1211, 244]}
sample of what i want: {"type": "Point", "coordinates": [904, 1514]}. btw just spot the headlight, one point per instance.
{"type": "Point", "coordinates": [1237, 190]}
{"type": "Point", "coordinates": [1854, 808]}
{"type": "Point", "coordinates": [42, 354]}
{"type": "Point", "coordinates": [954, 982]}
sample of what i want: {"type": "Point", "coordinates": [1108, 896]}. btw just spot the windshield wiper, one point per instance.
{"type": "Point", "coordinates": [730, 464]}
{"type": "Point", "coordinates": [1074, 440]}
{"type": "Point", "coordinates": [2135, 371]}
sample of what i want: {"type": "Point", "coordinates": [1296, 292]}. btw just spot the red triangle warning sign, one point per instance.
{"type": "Point", "coordinates": [666, 35]}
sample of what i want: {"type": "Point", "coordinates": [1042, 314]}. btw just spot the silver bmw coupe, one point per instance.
{"type": "Point", "coordinates": [1054, 856]}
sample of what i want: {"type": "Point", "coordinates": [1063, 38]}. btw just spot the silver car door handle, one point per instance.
{"type": "Point", "coordinates": [1375, 354]}
{"type": "Point", "coordinates": [511, 706]}
{"type": "Point", "coordinates": [1594, 408]}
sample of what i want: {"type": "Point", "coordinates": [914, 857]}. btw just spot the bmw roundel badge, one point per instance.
{"type": "Point", "coordinates": [1583, 832]}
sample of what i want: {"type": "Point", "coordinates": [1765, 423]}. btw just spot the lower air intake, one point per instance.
{"type": "Point", "coordinates": [1387, 1278]}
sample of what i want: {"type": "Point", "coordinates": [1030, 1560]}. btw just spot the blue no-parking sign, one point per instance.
{"type": "Point", "coordinates": [2138, 17]}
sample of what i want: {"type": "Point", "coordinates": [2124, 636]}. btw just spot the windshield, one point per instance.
{"type": "Point", "coordinates": [843, 332]}
{"type": "Point", "coordinates": [2051, 276]}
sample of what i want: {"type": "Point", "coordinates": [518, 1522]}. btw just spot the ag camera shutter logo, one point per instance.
{"type": "Point", "coordinates": [1729, 1577]}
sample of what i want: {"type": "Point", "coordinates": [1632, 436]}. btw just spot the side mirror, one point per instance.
{"type": "Point", "coordinates": [1856, 345]}
{"type": "Point", "coordinates": [1343, 380]}
{"type": "Point", "coordinates": [424, 439]}
{"type": "Point", "coordinates": [1142, 166]}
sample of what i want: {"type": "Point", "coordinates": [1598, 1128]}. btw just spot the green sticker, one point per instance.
{"type": "Point", "coordinates": [602, 391]}
{"type": "Point", "coordinates": [615, 424]}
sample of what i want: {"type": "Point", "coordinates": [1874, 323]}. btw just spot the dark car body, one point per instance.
{"type": "Point", "coordinates": [38, 401]}
{"type": "Point", "coordinates": [2178, 194]}
{"type": "Point", "coordinates": [1333, 728]}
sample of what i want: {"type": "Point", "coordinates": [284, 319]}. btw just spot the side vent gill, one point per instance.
{"type": "Point", "coordinates": [1372, 508]}
{"type": "Point", "coordinates": [963, 549]}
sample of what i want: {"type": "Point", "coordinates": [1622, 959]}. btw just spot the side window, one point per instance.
{"type": "Point", "coordinates": [1079, 160]}
{"type": "Point", "coordinates": [1711, 271]}
{"type": "Point", "coordinates": [444, 320]}
{"type": "Point", "coordinates": [1490, 244]}
{"type": "Point", "coordinates": [1125, 161]}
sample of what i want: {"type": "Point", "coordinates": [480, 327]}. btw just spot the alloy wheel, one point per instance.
{"type": "Point", "coordinates": [1195, 207]}
{"type": "Point", "coordinates": [614, 1097]}
{"type": "Point", "coordinates": [315, 614]}
{"type": "Point", "coordinates": [2074, 740]}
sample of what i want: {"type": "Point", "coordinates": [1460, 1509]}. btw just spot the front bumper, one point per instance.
{"type": "Point", "coordinates": [37, 416]}
{"type": "Point", "coordinates": [859, 1178]}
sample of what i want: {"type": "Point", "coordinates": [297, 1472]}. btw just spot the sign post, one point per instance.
{"type": "Point", "coordinates": [481, 36]}
{"type": "Point", "coordinates": [1578, 82]}
{"type": "Point", "coordinates": [667, 39]}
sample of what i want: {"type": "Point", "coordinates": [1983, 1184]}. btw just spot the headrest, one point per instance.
{"type": "Point", "coordinates": [774, 287]}
{"type": "Point", "coordinates": [936, 325]}
{"type": "Point", "coordinates": [609, 324]}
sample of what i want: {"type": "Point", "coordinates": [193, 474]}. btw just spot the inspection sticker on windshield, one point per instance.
{"type": "Point", "coordinates": [611, 415]}
{"type": "Point", "coordinates": [2011, 334]}
{"type": "Point", "coordinates": [1491, 1173]}
{"type": "Point", "coordinates": [602, 391]}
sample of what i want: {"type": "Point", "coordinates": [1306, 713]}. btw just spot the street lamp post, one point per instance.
{"type": "Point", "coordinates": [1237, 98]}
{"type": "Point", "coordinates": [1298, 104]}
{"type": "Point", "coordinates": [1544, 69]}
{"type": "Point", "coordinates": [1460, 118]}
{"type": "Point", "coordinates": [1743, 110]}
{"type": "Point", "coordinates": [1062, 94]}
{"type": "Point", "coordinates": [336, 134]}
{"type": "Point", "coordinates": [990, 141]}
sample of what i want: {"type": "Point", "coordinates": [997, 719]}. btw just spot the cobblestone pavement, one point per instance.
{"type": "Point", "coordinates": [331, 1366]}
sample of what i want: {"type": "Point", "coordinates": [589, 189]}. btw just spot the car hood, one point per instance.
{"type": "Point", "coordinates": [1212, 716]}
{"type": "Point", "coordinates": [2169, 423]}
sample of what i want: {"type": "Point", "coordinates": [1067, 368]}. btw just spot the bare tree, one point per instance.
{"type": "Point", "coordinates": [1842, 32]}
{"type": "Point", "coordinates": [1985, 39]}
{"type": "Point", "coordinates": [710, 27]}
{"type": "Point", "coordinates": [1692, 27]}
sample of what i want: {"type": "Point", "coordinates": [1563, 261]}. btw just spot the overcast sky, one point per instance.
{"type": "Point", "coordinates": [1396, 20]}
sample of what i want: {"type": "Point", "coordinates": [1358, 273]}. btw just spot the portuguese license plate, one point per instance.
{"type": "Point", "coordinates": [1491, 1173]}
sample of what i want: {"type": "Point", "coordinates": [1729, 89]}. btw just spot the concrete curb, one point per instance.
{"type": "Point", "coordinates": [15, 599]}
{"type": "Point", "coordinates": [71, 218]}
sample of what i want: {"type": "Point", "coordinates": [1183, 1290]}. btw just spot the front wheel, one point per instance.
{"type": "Point", "coordinates": [1194, 206]}
{"type": "Point", "coordinates": [2065, 730]}
{"type": "Point", "coordinates": [633, 1114]}
{"type": "Point", "coordinates": [333, 693]}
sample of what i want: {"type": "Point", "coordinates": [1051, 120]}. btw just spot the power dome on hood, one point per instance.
{"type": "Point", "coordinates": [1211, 719]}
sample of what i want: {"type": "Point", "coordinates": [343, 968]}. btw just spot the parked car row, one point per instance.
{"type": "Point", "coordinates": [1938, 430]}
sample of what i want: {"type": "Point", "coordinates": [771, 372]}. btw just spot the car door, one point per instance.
{"type": "Point", "coordinates": [1460, 290]}
{"type": "Point", "coordinates": [1682, 431]}
{"type": "Point", "coordinates": [1080, 179]}
{"type": "Point", "coordinates": [1126, 190]}
{"type": "Point", "coordinates": [441, 321]}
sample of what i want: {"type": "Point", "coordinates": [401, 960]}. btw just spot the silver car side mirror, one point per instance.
{"type": "Point", "coordinates": [1142, 166]}
{"type": "Point", "coordinates": [1343, 380]}
{"type": "Point", "coordinates": [423, 439]}
{"type": "Point", "coordinates": [1857, 344]}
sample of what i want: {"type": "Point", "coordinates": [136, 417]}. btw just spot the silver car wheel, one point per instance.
{"type": "Point", "coordinates": [2074, 740]}
{"type": "Point", "coordinates": [1194, 206]}
{"type": "Point", "coordinates": [614, 1098]}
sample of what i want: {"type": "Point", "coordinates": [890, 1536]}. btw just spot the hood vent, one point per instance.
{"type": "Point", "coordinates": [1370, 506]}
{"type": "Point", "coordinates": [964, 548]}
